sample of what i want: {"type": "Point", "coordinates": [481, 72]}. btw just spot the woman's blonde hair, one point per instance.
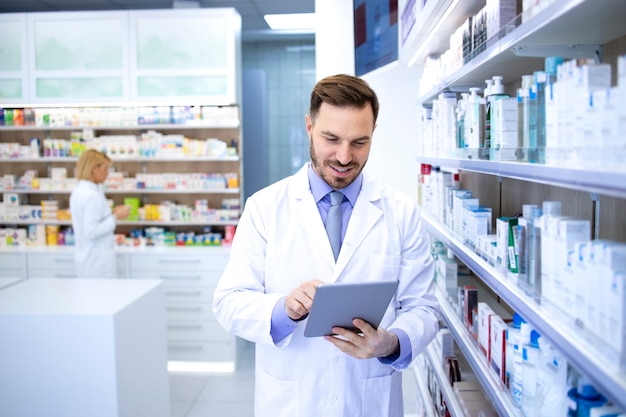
{"type": "Point", "coordinates": [90, 159]}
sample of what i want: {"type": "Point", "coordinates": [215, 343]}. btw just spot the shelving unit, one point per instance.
{"type": "Point", "coordinates": [570, 28]}
{"type": "Point", "coordinates": [608, 183]}
{"type": "Point", "coordinates": [446, 389]}
{"type": "Point", "coordinates": [225, 130]}
{"type": "Point", "coordinates": [135, 191]}
{"type": "Point", "coordinates": [422, 390]}
{"type": "Point", "coordinates": [558, 25]}
{"type": "Point", "coordinates": [579, 349]}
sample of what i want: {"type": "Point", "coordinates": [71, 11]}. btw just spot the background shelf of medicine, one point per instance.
{"type": "Point", "coordinates": [152, 126]}
{"type": "Point", "coordinates": [494, 388]}
{"type": "Point", "coordinates": [128, 159]}
{"type": "Point", "coordinates": [127, 223]}
{"type": "Point", "coordinates": [580, 350]}
{"type": "Point", "coordinates": [134, 191]}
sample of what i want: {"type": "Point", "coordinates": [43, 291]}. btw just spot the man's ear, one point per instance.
{"type": "Point", "coordinates": [308, 122]}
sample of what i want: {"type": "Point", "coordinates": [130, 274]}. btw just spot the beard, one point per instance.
{"type": "Point", "coordinates": [335, 182]}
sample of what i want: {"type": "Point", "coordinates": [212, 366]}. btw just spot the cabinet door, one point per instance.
{"type": "Point", "coordinates": [187, 55]}
{"type": "Point", "coordinates": [13, 58]}
{"type": "Point", "coordinates": [12, 265]}
{"type": "Point", "coordinates": [78, 57]}
{"type": "Point", "coordinates": [51, 265]}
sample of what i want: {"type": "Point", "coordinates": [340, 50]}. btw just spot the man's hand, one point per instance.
{"type": "Point", "coordinates": [370, 344]}
{"type": "Point", "coordinates": [298, 303]}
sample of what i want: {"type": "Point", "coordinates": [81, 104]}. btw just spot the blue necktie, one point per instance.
{"type": "Point", "coordinates": [333, 221]}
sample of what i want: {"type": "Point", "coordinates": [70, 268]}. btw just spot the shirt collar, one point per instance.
{"type": "Point", "coordinates": [319, 187]}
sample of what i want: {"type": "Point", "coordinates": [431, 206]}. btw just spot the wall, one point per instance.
{"type": "Point", "coordinates": [334, 38]}
{"type": "Point", "coordinates": [289, 68]}
{"type": "Point", "coordinates": [394, 150]}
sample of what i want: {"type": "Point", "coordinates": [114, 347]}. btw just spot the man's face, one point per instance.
{"type": "Point", "coordinates": [340, 138]}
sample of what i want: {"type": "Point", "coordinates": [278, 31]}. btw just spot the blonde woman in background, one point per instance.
{"type": "Point", "coordinates": [92, 219]}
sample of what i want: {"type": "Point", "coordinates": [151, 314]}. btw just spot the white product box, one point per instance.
{"type": "Point", "coordinates": [611, 276]}
{"type": "Point", "coordinates": [11, 200]}
{"type": "Point", "coordinates": [499, 13]}
{"type": "Point", "coordinates": [505, 127]}
{"type": "Point", "coordinates": [457, 208]}
{"type": "Point", "coordinates": [596, 300]}
{"type": "Point", "coordinates": [479, 223]}
{"type": "Point", "coordinates": [497, 341]}
{"type": "Point", "coordinates": [466, 206]}
{"type": "Point", "coordinates": [445, 342]}
{"type": "Point", "coordinates": [617, 314]}
{"type": "Point", "coordinates": [485, 247]}
{"type": "Point", "coordinates": [447, 211]}
{"type": "Point", "coordinates": [569, 232]}
{"type": "Point", "coordinates": [503, 225]}
{"type": "Point", "coordinates": [548, 254]}
{"type": "Point", "coordinates": [484, 316]}
{"type": "Point", "coordinates": [57, 174]}
{"type": "Point", "coordinates": [446, 270]}
{"type": "Point", "coordinates": [581, 269]}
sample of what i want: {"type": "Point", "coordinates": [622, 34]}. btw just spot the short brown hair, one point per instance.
{"type": "Point", "coordinates": [344, 91]}
{"type": "Point", "coordinates": [88, 160]}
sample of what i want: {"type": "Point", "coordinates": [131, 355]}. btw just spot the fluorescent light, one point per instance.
{"type": "Point", "coordinates": [294, 21]}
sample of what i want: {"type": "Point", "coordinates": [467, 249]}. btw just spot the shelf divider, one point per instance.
{"type": "Point", "coordinates": [603, 182]}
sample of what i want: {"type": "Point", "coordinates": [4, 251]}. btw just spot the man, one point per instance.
{"type": "Point", "coordinates": [281, 253]}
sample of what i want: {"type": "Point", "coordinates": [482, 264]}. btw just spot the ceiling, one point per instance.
{"type": "Point", "coordinates": [251, 11]}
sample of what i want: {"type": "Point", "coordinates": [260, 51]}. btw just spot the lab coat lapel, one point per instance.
{"type": "Point", "coordinates": [307, 214]}
{"type": "Point", "coordinates": [364, 216]}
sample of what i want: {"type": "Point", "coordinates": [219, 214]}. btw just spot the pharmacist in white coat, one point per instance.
{"type": "Point", "coordinates": [281, 253]}
{"type": "Point", "coordinates": [92, 219]}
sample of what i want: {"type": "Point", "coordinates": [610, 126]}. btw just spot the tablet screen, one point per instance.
{"type": "Point", "coordinates": [336, 305]}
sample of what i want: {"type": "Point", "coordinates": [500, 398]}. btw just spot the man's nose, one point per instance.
{"type": "Point", "coordinates": [344, 154]}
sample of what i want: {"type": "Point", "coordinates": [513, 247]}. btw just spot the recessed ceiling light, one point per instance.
{"type": "Point", "coordinates": [294, 21]}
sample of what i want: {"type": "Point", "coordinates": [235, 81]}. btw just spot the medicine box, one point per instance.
{"type": "Point", "coordinates": [484, 316]}
{"type": "Point", "coordinates": [470, 303]}
{"type": "Point", "coordinates": [497, 341]}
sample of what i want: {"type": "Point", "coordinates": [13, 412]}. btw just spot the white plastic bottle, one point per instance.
{"type": "Point", "coordinates": [496, 92]}
{"type": "Point", "coordinates": [552, 387]}
{"type": "Point", "coordinates": [519, 238]}
{"type": "Point", "coordinates": [517, 342]}
{"type": "Point", "coordinates": [525, 120]}
{"type": "Point", "coordinates": [474, 124]}
{"type": "Point", "coordinates": [532, 244]}
{"type": "Point", "coordinates": [530, 358]}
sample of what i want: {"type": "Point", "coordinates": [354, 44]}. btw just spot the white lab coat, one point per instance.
{"type": "Point", "coordinates": [94, 225]}
{"type": "Point", "coordinates": [281, 242]}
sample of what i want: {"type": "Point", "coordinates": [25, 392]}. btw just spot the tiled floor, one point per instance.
{"type": "Point", "coordinates": [232, 394]}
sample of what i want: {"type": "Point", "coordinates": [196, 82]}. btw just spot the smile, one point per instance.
{"type": "Point", "coordinates": [339, 169]}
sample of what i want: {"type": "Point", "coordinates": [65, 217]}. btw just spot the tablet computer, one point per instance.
{"type": "Point", "coordinates": [336, 305]}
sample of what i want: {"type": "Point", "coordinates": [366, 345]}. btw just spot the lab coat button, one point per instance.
{"type": "Point", "coordinates": [333, 398]}
{"type": "Point", "coordinates": [335, 359]}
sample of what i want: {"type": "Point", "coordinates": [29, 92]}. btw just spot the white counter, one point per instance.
{"type": "Point", "coordinates": [75, 348]}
